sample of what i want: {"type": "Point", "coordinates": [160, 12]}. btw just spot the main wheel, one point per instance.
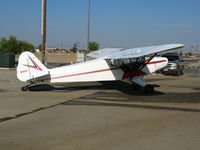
{"type": "Point", "coordinates": [135, 86]}
{"type": "Point", "coordinates": [149, 89]}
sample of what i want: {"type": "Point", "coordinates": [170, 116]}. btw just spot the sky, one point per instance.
{"type": "Point", "coordinates": [114, 23]}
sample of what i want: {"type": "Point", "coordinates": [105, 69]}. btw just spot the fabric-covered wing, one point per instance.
{"type": "Point", "coordinates": [121, 53]}
{"type": "Point", "coordinates": [104, 52]}
{"type": "Point", "coordinates": [138, 52]}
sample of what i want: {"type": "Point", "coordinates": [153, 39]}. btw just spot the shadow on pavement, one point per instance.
{"type": "Point", "coordinates": [130, 106]}
{"type": "Point", "coordinates": [122, 86]}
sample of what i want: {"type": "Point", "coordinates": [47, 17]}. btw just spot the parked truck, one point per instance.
{"type": "Point", "coordinates": [175, 64]}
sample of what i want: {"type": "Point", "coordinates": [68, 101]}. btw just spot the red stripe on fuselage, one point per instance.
{"type": "Point", "coordinates": [128, 75]}
{"type": "Point", "coordinates": [86, 73]}
{"type": "Point", "coordinates": [155, 62]}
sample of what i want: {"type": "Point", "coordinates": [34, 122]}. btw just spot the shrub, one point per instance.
{"type": "Point", "coordinates": [93, 46]}
{"type": "Point", "coordinates": [14, 46]}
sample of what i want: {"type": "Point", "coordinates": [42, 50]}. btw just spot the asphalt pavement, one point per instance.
{"type": "Point", "coordinates": [100, 115]}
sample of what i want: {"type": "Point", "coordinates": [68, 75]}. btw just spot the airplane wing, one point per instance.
{"type": "Point", "coordinates": [119, 53]}
{"type": "Point", "coordinates": [104, 52]}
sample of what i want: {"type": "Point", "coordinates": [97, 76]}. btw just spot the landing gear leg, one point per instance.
{"type": "Point", "coordinates": [139, 82]}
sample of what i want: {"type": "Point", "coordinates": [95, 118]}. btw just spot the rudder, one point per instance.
{"type": "Point", "coordinates": [30, 68]}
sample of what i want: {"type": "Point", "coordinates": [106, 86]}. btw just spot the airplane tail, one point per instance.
{"type": "Point", "coordinates": [30, 68]}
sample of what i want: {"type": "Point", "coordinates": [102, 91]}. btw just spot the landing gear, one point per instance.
{"type": "Point", "coordinates": [24, 88]}
{"type": "Point", "coordinates": [149, 89]}
{"type": "Point", "coordinates": [135, 86]}
{"type": "Point", "coordinates": [138, 82]}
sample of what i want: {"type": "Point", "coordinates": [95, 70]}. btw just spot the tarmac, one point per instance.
{"type": "Point", "coordinates": [100, 115]}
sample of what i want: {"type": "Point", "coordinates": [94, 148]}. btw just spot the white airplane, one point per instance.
{"type": "Point", "coordinates": [110, 64]}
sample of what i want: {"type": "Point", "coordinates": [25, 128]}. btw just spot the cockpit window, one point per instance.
{"type": "Point", "coordinates": [120, 62]}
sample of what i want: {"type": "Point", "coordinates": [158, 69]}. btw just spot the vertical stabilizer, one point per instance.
{"type": "Point", "coordinates": [30, 68]}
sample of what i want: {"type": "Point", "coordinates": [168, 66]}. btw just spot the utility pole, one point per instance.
{"type": "Point", "coordinates": [44, 9]}
{"type": "Point", "coordinates": [192, 50]}
{"type": "Point", "coordinates": [88, 38]}
{"type": "Point", "coordinates": [61, 44]}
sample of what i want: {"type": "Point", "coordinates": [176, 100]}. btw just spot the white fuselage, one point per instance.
{"type": "Point", "coordinates": [99, 70]}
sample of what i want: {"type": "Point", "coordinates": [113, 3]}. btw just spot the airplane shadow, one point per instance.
{"type": "Point", "coordinates": [122, 86]}
{"type": "Point", "coordinates": [88, 103]}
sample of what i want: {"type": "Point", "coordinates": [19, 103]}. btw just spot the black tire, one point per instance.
{"type": "Point", "coordinates": [149, 89]}
{"type": "Point", "coordinates": [135, 86]}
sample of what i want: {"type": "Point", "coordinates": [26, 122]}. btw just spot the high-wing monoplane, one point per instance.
{"type": "Point", "coordinates": [109, 64]}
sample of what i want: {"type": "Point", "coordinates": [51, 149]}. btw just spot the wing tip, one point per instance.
{"type": "Point", "coordinates": [177, 46]}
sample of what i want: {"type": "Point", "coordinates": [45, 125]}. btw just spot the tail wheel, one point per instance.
{"type": "Point", "coordinates": [149, 89]}
{"type": "Point", "coordinates": [24, 88]}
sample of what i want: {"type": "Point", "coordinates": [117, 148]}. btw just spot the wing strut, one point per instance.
{"type": "Point", "coordinates": [147, 61]}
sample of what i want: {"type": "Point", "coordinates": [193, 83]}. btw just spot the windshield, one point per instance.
{"type": "Point", "coordinates": [171, 57]}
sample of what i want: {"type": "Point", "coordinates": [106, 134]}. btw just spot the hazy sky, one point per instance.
{"type": "Point", "coordinates": [114, 23]}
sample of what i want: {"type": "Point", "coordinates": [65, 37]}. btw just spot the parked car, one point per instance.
{"type": "Point", "coordinates": [175, 64]}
